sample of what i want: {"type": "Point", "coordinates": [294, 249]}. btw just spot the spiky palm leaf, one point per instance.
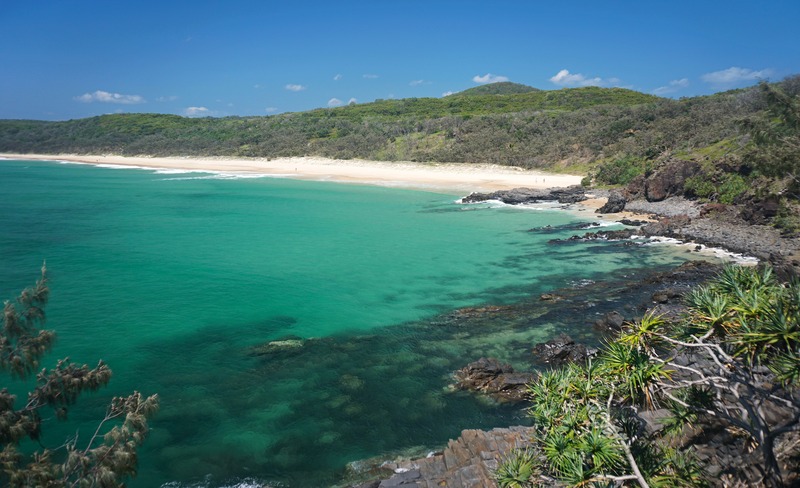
{"type": "Point", "coordinates": [520, 469]}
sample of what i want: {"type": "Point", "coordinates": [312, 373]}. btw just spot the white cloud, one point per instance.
{"type": "Point", "coordinates": [295, 88]}
{"type": "Point", "coordinates": [106, 97]}
{"type": "Point", "coordinates": [489, 78]}
{"type": "Point", "coordinates": [352, 101]}
{"type": "Point", "coordinates": [370, 76]}
{"type": "Point", "coordinates": [196, 111]}
{"type": "Point", "coordinates": [419, 82]}
{"type": "Point", "coordinates": [334, 102]}
{"type": "Point", "coordinates": [170, 98]}
{"type": "Point", "coordinates": [271, 110]}
{"type": "Point", "coordinates": [565, 78]}
{"type": "Point", "coordinates": [447, 93]}
{"type": "Point", "coordinates": [674, 86]}
{"type": "Point", "coordinates": [337, 77]}
{"type": "Point", "coordinates": [734, 75]}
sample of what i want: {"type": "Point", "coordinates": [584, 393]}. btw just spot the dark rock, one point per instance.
{"type": "Point", "coordinates": [469, 461]}
{"type": "Point", "coordinates": [488, 375]}
{"type": "Point", "coordinates": [633, 223]}
{"type": "Point", "coordinates": [635, 188]}
{"type": "Point", "coordinates": [611, 322]}
{"type": "Point", "coordinates": [571, 194]}
{"type": "Point", "coordinates": [561, 350]}
{"type": "Point", "coordinates": [666, 227]}
{"type": "Point", "coordinates": [669, 295]}
{"type": "Point", "coordinates": [669, 180]}
{"type": "Point", "coordinates": [760, 212]}
{"type": "Point", "coordinates": [615, 203]}
{"type": "Point", "coordinates": [611, 235]}
{"type": "Point", "coordinates": [549, 229]}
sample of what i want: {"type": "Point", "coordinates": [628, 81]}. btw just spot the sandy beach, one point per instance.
{"type": "Point", "coordinates": [456, 178]}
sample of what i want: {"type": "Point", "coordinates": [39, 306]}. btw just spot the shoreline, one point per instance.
{"type": "Point", "coordinates": [435, 177]}
{"type": "Point", "coordinates": [457, 179]}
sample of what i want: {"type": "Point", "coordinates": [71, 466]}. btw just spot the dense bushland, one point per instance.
{"type": "Point", "coordinates": [543, 129]}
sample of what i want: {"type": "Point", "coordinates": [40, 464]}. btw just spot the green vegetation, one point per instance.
{"type": "Point", "coordinates": [776, 136]}
{"type": "Point", "coordinates": [502, 88]}
{"type": "Point", "coordinates": [107, 457]}
{"type": "Point", "coordinates": [743, 333]}
{"type": "Point", "coordinates": [622, 170]}
{"type": "Point", "coordinates": [524, 129]}
{"type": "Point", "coordinates": [746, 142]}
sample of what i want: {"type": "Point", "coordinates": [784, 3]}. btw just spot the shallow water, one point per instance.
{"type": "Point", "coordinates": [179, 280]}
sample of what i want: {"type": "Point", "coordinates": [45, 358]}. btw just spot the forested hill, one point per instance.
{"type": "Point", "coordinates": [574, 129]}
{"type": "Point", "coordinates": [506, 123]}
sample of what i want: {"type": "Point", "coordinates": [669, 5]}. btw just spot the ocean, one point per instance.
{"type": "Point", "coordinates": [289, 327]}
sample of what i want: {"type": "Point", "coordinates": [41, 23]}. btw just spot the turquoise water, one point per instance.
{"type": "Point", "coordinates": [176, 279]}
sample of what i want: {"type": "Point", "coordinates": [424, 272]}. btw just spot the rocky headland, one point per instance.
{"type": "Point", "coordinates": [740, 229]}
{"type": "Point", "coordinates": [649, 210]}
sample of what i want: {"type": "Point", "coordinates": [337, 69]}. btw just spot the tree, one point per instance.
{"type": "Point", "coordinates": [777, 136]}
{"type": "Point", "coordinates": [109, 454]}
{"type": "Point", "coordinates": [733, 362]}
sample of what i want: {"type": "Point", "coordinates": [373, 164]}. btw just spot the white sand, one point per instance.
{"type": "Point", "coordinates": [457, 178]}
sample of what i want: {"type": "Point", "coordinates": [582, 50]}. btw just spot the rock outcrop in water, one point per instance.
{"type": "Point", "coordinates": [615, 203]}
{"type": "Point", "coordinates": [469, 461]}
{"type": "Point", "coordinates": [570, 194]}
{"type": "Point", "coordinates": [562, 350]}
{"type": "Point", "coordinates": [722, 451]}
{"type": "Point", "coordinates": [490, 376]}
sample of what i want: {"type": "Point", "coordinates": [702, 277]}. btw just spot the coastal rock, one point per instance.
{"type": "Point", "coordinates": [665, 227]}
{"type": "Point", "coordinates": [760, 211]}
{"type": "Point", "coordinates": [611, 322]}
{"type": "Point", "coordinates": [633, 222]}
{"type": "Point", "coordinates": [669, 207]}
{"type": "Point", "coordinates": [570, 194]}
{"type": "Point", "coordinates": [666, 181]}
{"type": "Point", "coordinates": [469, 461]}
{"type": "Point", "coordinates": [488, 375]}
{"type": "Point", "coordinates": [669, 295]}
{"type": "Point", "coordinates": [615, 203]}
{"type": "Point", "coordinates": [562, 350]}
{"type": "Point", "coordinates": [611, 235]}
{"type": "Point", "coordinates": [669, 180]}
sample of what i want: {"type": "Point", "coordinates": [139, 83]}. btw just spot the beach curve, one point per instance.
{"type": "Point", "coordinates": [446, 177]}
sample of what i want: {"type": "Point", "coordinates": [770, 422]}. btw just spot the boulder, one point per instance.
{"type": "Point", "coordinates": [570, 194]}
{"type": "Point", "coordinates": [669, 295]}
{"type": "Point", "coordinates": [611, 322]}
{"type": "Point", "coordinates": [610, 235]}
{"type": "Point", "coordinates": [669, 180]}
{"type": "Point", "coordinates": [488, 375]}
{"type": "Point", "coordinates": [760, 211]}
{"type": "Point", "coordinates": [615, 203]}
{"type": "Point", "coordinates": [562, 350]}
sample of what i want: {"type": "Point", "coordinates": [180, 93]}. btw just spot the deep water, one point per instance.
{"type": "Point", "coordinates": [179, 281]}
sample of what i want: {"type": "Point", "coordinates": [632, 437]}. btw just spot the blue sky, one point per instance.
{"type": "Point", "coordinates": [65, 59]}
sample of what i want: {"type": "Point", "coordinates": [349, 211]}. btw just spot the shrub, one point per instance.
{"type": "Point", "coordinates": [621, 171]}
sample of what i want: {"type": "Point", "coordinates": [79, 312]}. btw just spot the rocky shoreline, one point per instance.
{"type": "Point", "coordinates": [469, 460]}
{"type": "Point", "coordinates": [712, 225]}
